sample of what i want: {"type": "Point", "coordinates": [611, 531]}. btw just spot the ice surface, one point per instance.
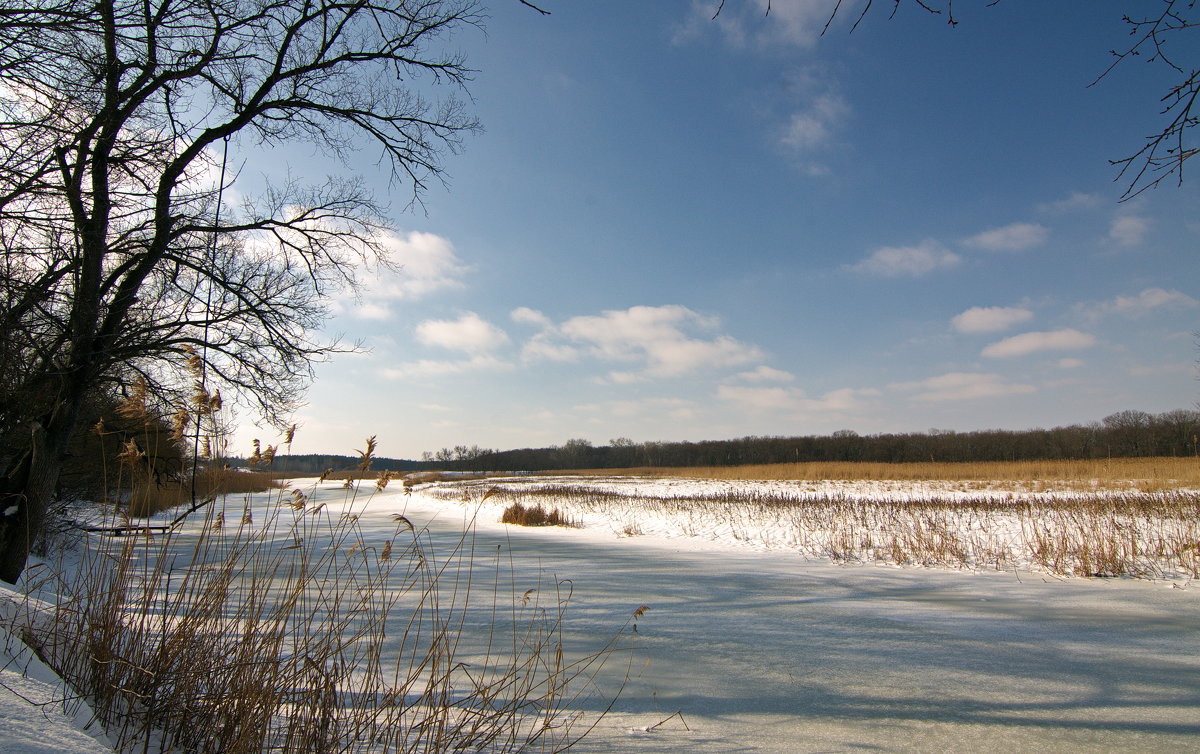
{"type": "Point", "coordinates": [751, 649]}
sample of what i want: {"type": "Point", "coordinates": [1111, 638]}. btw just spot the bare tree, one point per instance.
{"type": "Point", "coordinates": [1159, 38]}
{"type": "Point", "coordinates": [122, 257]}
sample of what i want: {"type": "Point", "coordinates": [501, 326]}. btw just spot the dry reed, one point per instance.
{"type": "Point", "coordinates": [148, 497]}
{"type": "Point", "coordinates": [533, 515]}
{"type": "Point", "coordinates": [274, 624]}
{"type": "Point", "coordinates": [1098, 533]}
{"type": "Point", "coordinates": [293, 631]}
{"type": "Point", "coordinates": [1121, 473]}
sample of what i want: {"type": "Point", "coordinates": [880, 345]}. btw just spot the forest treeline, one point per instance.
{"type": "Point", "coordinates": [1123, 434]}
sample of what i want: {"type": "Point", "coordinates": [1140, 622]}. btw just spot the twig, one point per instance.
{"type": "Point", "coordinates": [678, 714]}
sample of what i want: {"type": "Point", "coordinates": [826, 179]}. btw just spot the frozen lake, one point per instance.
{"type": "Point", "coordinates": [751, 650]}
{"type": "Point", "coordinates": [766, 651]}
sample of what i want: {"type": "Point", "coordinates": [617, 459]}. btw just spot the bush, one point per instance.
{"type": "Point", "coordinates": [535, 516]}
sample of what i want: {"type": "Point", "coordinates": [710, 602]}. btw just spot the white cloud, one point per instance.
{"type": "Point", "coordinates": [1070, 363]}
{"type": "Point", "coordinates": [765, 373]}
{"type": "Point", "coordinates": [620, 378]}
{"type": "Point", "coordinates": [754, 398]}
{"type": "Point", "coordinates": [371, 310]}
{"type": "Point", "coordinates": [811, 113]}
{"type": "Point", "coordinates": [661, 338]}
{"type": "Point", "coordinates": [543, 345]}
{"type": "Point", "coordinates": [1077, 200]}
{"type": "Point", "coordinates": [1032, 342]}
{"type": "Point", "coordinates": [842, 399]}
{"type": "Point", "coordinates": [426, 264]}
{"type": "Point", "coordinates": [1128, 230]}
{"type": "Point", "coordinates": [1014, 237]}
{"type": "Point", "coordinates": [792, 23]}
{"type": "Point", "coordinates": [910, 261]}
{"type": "Point", "coordinates": [646, 408]}
{"type": "Point", "coordinates": [434, 368]}
{"type": "Point", "coordinates": [542, 348]}
{"type": "Point", "coordinates": [814, 126]}
{"type": "Point", "coordinates": [525, 316]}
{"type": "Point", "coordinates": [960, 386]}
{"type": "Point", "coordinates": [760, 398]}
{"type": "Point", "coordinates": [1150, 298]}
{"type": "Point", "coordinates": [979, 319]}
{"type": "Point", "coordinates": [468, 333]}
{"type": "Point", "coordinates": [204, 174]}
{"type": "Point", "coordinates": [796, 22]}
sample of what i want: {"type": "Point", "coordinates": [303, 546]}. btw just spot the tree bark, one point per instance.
{"type": "Point", "coordinates": [23, 503]}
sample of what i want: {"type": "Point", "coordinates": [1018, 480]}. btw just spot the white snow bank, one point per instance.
{"type": "Point", "coordinates": [38, 714]}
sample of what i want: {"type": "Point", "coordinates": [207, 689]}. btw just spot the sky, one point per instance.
{"type": "Point", "coordinates": [679, 228]}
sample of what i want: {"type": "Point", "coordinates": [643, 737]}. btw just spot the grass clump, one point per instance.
{"type": "Point", "coordinates": [280, 623]}
{"type": "Point", "coordinates": [534, 515]}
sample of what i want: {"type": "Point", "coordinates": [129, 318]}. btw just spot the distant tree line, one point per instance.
{"type": "Point", "coordinates": [1123, 434]}
{"type": "Point", "coordinates": [318, 463]}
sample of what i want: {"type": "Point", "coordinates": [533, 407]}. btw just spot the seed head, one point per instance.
{"type": "Point", "coordinates": [364, 463]}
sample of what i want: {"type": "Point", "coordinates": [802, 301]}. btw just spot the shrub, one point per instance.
{"type": "Point", "coordinates": [534, 516]}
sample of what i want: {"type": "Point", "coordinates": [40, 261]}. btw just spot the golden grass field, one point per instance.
{"type": "Point", "coordinates": [1142, 473]}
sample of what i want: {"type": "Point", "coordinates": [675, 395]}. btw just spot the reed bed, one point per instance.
{"type": "Point", "coordinates": [1147, 474]}
{"type": "Point", "coordinates": [533, 515]}
{"type": "Point", "coordinates": [1152, 535]}
{"type": "Point", "coordinates": [284, 626]}
{"type": "Point", "coordinates": [147, 497]}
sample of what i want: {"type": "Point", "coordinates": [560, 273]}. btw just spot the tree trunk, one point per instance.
{"type": "Point", "coordinates": [24, 499]}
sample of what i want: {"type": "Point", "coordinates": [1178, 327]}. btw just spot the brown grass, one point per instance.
{"type": "Point", "coordinates": [1148, 474]}
{"type": "Point", "coordinates": [534, 515]}
{"type": "Point", "coordinates": [253, 627]}
{"type": "Point", "coordinates": [148, 497]}
{"type": "Point", "coordinates": [286, 628]}
{"type": "Point", "coordinates": [1126, 532]}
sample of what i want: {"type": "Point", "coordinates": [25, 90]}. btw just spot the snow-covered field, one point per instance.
{"type": "Point", "coordinates": [1068, 530]}
{"type": "Point", "coordinates": [750, 642]}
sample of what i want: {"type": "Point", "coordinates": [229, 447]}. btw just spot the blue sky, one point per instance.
{"type": "Point", "coordinates": [674, 228]}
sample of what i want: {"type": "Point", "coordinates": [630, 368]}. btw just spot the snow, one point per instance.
{"type": "Point", "coordinates": [760, 649]}
{"type": "Point", "coordinates": [33, 717]}
{"type": "Point", "coordinates": [750, 645]}
{"type": "Point", "coordinates": [944, 524]}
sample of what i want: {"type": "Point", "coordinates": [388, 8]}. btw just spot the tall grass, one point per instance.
{"type": "Point", "coordinates": [147, 496]}
{"type": "Point", "coordinates": [533, 515]}
{"type": "Point", "coordinates": [284, 627]}
{"type": "Point", "coordinates": [1137, 473]}
{"type": "Point", "coordinates": [1094, 533]}
{"type": "Point", "coordinates": [277, 623]}
{"type": "Point", "coordinates": [172, 454]}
